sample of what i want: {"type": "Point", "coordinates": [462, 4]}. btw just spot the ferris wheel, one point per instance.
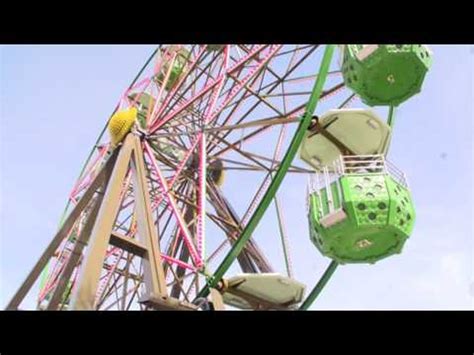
{"type": "Point", "coordinates": [167, 210]}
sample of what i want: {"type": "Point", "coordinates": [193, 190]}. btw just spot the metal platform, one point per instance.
{"type": "Point", "coordinates": [346, 132]}
{"type": "Point", "coordinates": [263, 291]}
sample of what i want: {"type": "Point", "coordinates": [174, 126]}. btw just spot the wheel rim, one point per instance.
{"type": "Point", "coordinates": [243, 120]}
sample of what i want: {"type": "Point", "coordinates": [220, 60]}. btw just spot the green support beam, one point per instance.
{"type": "Point", "coordinates": [280, 174]}
{"type": "Point", "coordinates": [391, 116]}
{"type": "Point", "coordinates": [319, 286]}
{"type": "Point", "coordinates": [391, 123]}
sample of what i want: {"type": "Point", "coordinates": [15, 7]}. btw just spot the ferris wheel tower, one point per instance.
{"type": "Point", "coordinates": [164, 213]}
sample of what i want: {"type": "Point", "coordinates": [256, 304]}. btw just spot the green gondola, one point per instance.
{"type": "Point", "coordinates": [385, 74]}
{"type": "Point", "coordinates": [363, 215]}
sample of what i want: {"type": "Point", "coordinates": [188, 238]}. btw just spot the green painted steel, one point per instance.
{"type": "Point", "coordinates": [391, 124]}
{"type": "Point", "coordinates": [379, 218]}
{"type": "Point", "coordinates": [276, 182]}
{"type": "Point", "coordinates": [385, 74]}
{"type": "Point", "coordinates": [391, 117]}
{"type": "Point", "coordinates": [319, 286]}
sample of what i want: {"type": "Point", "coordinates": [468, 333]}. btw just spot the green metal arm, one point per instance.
{"type": "Point", "coordinates": [319, 286]}
{"type": "Point", "coordinates": [276, 182]}
{"type": "Point", "coordinates": [391, 123]}
{"type": "Point", "coordinates": [391, 116]}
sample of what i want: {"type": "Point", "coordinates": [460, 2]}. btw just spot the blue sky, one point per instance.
{"type": "Point", "coordinates": [55, 99]}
